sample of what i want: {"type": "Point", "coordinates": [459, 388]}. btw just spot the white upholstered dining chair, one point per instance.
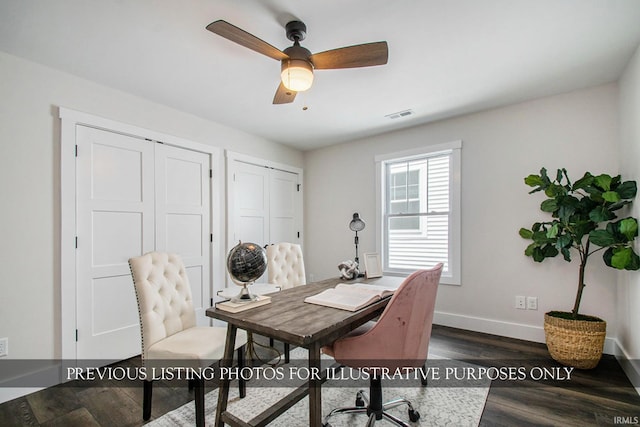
{"type": "Point", "coordinates": [285, 269]}
{"type": "Point", "coordinates": [285, 265]}
{"type": "Point", "coordinates": [170, 337]}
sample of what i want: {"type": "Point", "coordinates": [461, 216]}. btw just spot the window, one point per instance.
{"type": "Point", "coordinates": [419, 210]}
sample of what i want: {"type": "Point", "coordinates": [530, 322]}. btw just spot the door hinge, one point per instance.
{"type": "Point", "coordinates": [211, 302]}
{"type": "Point", "coordinates": [210, 173]}
{"type": "Point", "coordinates": [76, 150]}
{"type": "Point", "coordinates": [76, 242]}
{"type": "Point", "coordinates": [76, 335]}
{"type": "Point", "coordinates": [298, 234]}
{"type": "Point", "coordinates": [298, 187]}
{"type": "Point", "coordinates": [211, 237]}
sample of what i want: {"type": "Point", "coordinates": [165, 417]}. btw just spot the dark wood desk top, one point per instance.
{"type": "Point", "coordinates": [289, 319]}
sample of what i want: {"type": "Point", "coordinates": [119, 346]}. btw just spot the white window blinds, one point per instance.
{"type": "Point", "coordinates": [419, 218]}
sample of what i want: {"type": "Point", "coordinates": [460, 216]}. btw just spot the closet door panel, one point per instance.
{"type": "Point", "coordinates": [283, 226]}
{"type": "Point", "coordinates": [115, 221]}
{"type": "Point", "coordinates": [183, 208]}
{"type": "Point", "coordinates": [250, 206]}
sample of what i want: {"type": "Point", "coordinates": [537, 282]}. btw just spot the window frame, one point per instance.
{"type": "Point", "coordinates": [453, 275]}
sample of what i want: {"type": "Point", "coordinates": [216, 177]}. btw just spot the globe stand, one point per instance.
{"type": "Point", "coordinates": [245, 295]}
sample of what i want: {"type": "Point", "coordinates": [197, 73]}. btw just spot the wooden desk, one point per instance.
{"type": "Point", "coordinates": [289, 319]}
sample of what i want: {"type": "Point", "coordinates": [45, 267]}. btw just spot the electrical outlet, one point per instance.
{"type": "Point", "coordinates": [521, 303]}
{"type": "Point", "coordinates": [532, 303]}
{"type": "Point", "coordinates": [4, 347]}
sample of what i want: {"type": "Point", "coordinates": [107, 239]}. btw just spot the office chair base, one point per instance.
{"type": "Point", "coordinates": [363, 406]}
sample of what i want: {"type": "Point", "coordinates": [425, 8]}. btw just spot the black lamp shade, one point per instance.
{"type": "Point", "coordinates": [356, 223]}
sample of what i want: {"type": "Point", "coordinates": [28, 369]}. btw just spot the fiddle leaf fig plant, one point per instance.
{"type": "Point", "coordinates": [583, 214]}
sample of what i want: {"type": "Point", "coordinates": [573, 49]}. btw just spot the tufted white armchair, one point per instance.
{"type": "Point", "coordinates": [285, 265]}
{"type": "Point", "coordinates": [285, 269]}
{"type": "Point", "coordinates": [170, 337]}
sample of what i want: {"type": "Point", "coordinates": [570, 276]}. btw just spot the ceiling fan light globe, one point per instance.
{"type": "Point", "coordinates": [297, 74]}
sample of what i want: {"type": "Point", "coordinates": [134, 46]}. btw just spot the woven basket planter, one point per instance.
{"type": "Point", "coordinates": [577, 343]}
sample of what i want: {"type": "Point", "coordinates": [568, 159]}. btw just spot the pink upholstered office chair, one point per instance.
{"type": "Point", "coordinates": [170, 337]}
{"type": "Point", "coordinates": [399, 339]}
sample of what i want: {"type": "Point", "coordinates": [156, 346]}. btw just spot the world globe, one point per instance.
{"type": "Point", "coordinates": [246, 263]}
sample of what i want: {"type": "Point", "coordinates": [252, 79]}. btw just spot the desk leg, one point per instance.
{"type": "Point", "coordinates": [226, 362]}
{"type": "Point", "coordinates": [315, 384]}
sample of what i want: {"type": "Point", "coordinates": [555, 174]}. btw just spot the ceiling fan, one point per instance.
{"type": "Point", "coordinates": [297, 62]}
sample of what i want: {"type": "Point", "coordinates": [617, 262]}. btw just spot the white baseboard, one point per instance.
{"type": "Point", "coordinates": [10, 393]}
{"type": "Point", "coordinates": [630, 366]}
{"type": "Point", "coordinates": [29, 382]}
{"type": "Point", "coordinates": [504, 329]}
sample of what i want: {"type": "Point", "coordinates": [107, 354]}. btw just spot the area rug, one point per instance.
{"type": "Point", "coordinates": [438, 406]}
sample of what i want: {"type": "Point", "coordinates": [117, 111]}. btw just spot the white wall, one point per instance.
{"type": "Point", "coordinates": [29, 185]}
{"type": "Point", "coordinates": [577, 131]}
{"type": "Point", "coordinates": [629, 282]}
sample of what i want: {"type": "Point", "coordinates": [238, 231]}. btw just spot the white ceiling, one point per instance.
{"type": "Point", "coordinates": [446, 57]}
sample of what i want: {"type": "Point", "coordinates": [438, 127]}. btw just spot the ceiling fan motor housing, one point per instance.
{"type": "Point", "coordinates": [296, 31]}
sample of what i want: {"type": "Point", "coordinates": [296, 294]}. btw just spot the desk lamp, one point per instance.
{"type": "Point", "coordinates": [356, 225]}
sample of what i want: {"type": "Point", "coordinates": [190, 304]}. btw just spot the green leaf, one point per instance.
{"type": "Point", "coordinates": [566, 254]}
{"type": "Point", "coordinates": [627, 190]}
{"type": "Point", "coordinates": [567, 207]}
{"type": "Point", "coordinates": [549, 205]}
{"type": "Point", "coordinates": [534, 181]}
{"type": "Point", "coordinates": [603, 181]}
{"type": "Point", "coordinates": [543, 175]}
{"type": "Point", "coordinates": [602, 238]}
{"type": "Point", "coordinates": [584, 182]}
{"type": "Point", "coordinates": [621, 257]}
{"type": "Point", "coordinates": [607, 255]}
{"type": "Point", "coordinates": [554, 190]}
{"type": "Point", "coordinates": [540, 237]}
{"type": "Point", "coordinates": [629, 228]}
{"type": "Point", "coordinates": [634, 262]}
{"type": "Point", "coordinates": [600, 214]}
{"type": "Point", "coordinates": [525, 233]}
{"type": "Point", "coordinates": [550, 251]}
{"type": "Point", "coordinates": [563, 241]}
{"type": "Point", "coordinates": [529, 250]}
{"type": "Point", "coordinates": [553, 231]}
{"type": "Point", "coordinates": [618, 205]}
{"type": "Point", "coordinates": [559, 175]}
{"type": "Point", "coordinates": [537, 254]}
{"type": "Point", "coordinates": [611, 196]}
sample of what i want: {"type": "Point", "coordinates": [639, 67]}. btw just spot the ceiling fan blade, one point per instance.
{"type": "Point", "coordinates": [240, 36]}
{"type": "Point", "coordinates": [361, 55]}
{"type": "Point", "coordinates": [284, 95]}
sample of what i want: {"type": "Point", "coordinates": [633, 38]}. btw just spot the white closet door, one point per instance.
{"type": "Point", "coordinates": [115, 220]}
{"type": "Point", "coordinates": [182, 216]}
{"type": "Point", "coordinates": [283, 215]}
{"type": "Point", "coordinates": [264, 205]}
{"type": "Point", "coordinates": [250, 190]}
{"type": "Point", "coordinates": [249, 206]}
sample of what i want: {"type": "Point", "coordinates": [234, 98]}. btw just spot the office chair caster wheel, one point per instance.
{"type": "Point", "coordinates": [359, 402]}
{"type": "Point", "coordinates": [414, 415]}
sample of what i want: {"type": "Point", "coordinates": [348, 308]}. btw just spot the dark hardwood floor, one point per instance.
{"type": "Point", "coordinates": [599, 397]}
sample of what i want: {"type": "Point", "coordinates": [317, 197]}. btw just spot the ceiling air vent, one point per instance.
{"type": "Point", "coordinates": [400, 114]}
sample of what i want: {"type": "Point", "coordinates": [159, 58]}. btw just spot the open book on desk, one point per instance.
{"type": "Point", "coordinates": [351, 297]}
